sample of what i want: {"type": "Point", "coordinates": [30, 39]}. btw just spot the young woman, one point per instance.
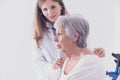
{"type": "Point", "coordinates": [46, 51]}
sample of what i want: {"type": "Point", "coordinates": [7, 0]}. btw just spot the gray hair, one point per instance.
{"type": "Point", "coordinates": [74, 24]}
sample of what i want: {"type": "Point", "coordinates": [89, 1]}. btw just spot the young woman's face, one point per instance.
{"type": "Point", "coordinates": [51, 10]}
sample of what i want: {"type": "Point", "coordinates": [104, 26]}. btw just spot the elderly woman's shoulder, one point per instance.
{"type": "Point", "coordinates": [91, 59]}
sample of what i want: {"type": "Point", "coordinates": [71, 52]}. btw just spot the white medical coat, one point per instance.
{"type": "Point", "coordinates": [42, 60]}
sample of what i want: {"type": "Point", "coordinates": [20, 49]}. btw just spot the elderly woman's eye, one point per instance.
{"type": "Point", "coordinates": [58, 33]}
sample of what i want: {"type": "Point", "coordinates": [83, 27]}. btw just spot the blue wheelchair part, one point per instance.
{"type": "Point", "coordinates": [115, 73]}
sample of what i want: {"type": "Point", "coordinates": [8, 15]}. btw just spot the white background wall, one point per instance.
{"type": "Point", "coordinates": [16, 17]}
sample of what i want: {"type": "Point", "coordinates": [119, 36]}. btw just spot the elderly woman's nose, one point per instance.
{"type": "Point", "coordinates": [56, 39]}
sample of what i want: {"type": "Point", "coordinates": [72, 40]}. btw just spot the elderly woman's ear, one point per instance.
{"type": "Point", "coordinates": [76, 37]}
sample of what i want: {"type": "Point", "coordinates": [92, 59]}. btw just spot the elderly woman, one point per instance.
{"type": "Point", "coordinates": [80, 63]}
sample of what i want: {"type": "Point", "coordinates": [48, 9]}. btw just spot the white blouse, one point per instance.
{"type": "Point", "coordinates": [88, 68]}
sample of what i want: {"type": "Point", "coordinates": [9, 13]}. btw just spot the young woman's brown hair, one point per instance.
{"type": "Point", "coordinates": [40, 21]}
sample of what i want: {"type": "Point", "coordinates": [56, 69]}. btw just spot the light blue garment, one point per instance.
{"type": "Point", "coordinates": [54, 30]}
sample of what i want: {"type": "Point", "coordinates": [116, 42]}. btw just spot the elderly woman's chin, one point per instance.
{"type": "Point", "coordinates": [60, 48]}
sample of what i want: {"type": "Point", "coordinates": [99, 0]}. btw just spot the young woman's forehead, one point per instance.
{"type": "Point", "coordinates": [47, 3]}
